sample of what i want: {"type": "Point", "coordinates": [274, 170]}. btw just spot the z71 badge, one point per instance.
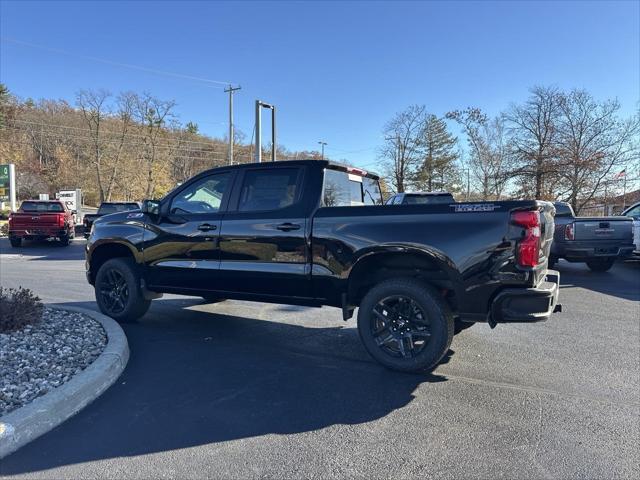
{"type": "Point", "coordinates": [479, 207]}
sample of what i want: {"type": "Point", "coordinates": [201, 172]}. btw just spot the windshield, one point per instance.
{"type": "Point", "coordinates": [108, 208]}
{"type": "Point", "coordinates": [42, 207]}
{"type": "Point", "coordinates": [563, 209]}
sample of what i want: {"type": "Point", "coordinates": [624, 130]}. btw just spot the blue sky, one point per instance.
{"type": "Point", "coordinates": [336, 71]}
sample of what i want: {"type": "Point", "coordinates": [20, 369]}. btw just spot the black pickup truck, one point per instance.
{"type": "Point", "coordinates": [315, 233]}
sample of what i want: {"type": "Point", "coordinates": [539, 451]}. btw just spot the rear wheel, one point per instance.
{"type": "Point", "coordinates": [65, 240]}
{"type": "Point", "coordinates": [601, 264]}
{"type": "Point", "coordinates": [118, 291]}
{"type": "Point", "coordinates": [552, 261]}
{"type": "Point", "coordinates": [405, 325]}
{"type": "Point", "coordinates": [15, 241]}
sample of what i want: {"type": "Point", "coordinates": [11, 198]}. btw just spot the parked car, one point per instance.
{"type": "Point", "coordinates": [107, 208]}
{"type": "Point", "coordinates": [286, 232]}
{"type": "Point", "coordinates": [634, 212]}
{"type": "Point", "coordinates": [421, 198]}
{"type": "Point", "coordinates": [40, 220]}
{"type": "Point", "coordinates": [597, 241]}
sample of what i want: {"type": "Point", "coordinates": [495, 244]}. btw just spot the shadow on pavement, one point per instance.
{"type": "Point", "coordinates": [623, 280]}
{"type": "Point", "coordinates": [196, 378]}
{"type": "Point", "coordinates": [45, 250]}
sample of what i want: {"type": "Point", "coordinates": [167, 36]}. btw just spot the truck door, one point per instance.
{"type": "Point", "coordinates": [181, 247]}
{"type": "Point", "coordinates": [263, 245]}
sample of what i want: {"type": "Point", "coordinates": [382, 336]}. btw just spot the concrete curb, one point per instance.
{"type": "Point", "coordinates": [47, 412]}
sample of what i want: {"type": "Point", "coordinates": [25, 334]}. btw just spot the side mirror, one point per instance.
{"type": "Point", "coordinates": [151, 207]}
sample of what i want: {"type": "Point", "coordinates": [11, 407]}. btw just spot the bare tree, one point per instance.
{"type": "Point", "coordinates": [95, 109]}
{"type": "Point", "coordinates": [153, 115]}
{"type": "Point", "coordinates": [489, 158]}
{"type": "Point", "coordinates": [400, 153]}
{"type": "Point", "coordinates": [592, 140]}
{"type": "Point", "coordinates": [532, 131]}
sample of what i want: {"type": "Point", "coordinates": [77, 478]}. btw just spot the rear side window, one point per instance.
{"type": "Point", "coordinates": [41, 207]}
{"type": "Point", "coordinates": [268, 189]}
{"type": "Point", "coordinates": [342, 189]}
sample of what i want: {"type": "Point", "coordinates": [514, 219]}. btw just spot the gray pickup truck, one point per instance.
{"type": "Point", "coordinates": [597, 241]}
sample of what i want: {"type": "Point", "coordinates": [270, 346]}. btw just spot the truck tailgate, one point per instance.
{"type": "Point", "coordinates": [34, 220]}
{"type": "Point", "coordinates": [605, 228]}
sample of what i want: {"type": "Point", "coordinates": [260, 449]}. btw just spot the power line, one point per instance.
{"type": "Point", "coordinates": [212, 83]}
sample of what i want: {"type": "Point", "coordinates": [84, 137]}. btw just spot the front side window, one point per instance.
{"type": "Point", "coordinates": [268, 189]}
{"type": "Point", "coordinates": [204, 196]}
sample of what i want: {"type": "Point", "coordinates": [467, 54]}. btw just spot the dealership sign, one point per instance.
{"type": "Point", "coordinates": [8, 184]}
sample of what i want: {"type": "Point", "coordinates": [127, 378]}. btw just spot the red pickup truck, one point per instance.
{"type": "Point", "coordinates": [40, 220]}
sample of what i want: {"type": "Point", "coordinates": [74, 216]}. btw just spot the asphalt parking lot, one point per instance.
{"type": "Point", "coordinates": [242, 390]}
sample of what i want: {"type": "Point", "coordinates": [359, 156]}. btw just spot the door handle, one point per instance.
{"type": "Point", "coordinates": [286, 227]}
{"type": "Point", "coordinates": [205, 227]}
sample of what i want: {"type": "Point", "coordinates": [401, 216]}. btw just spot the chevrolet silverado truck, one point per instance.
{"type": "Point", "coordinates": [315, 233]}
{"type": "Point", "coordinates": [41, 220]}
{"type": "Point", "coordinates": [597, 241]}
{"type": "Point", "coordinates": [106, 208]}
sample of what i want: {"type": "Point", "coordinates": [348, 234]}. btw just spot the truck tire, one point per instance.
{"type": "Point", "coordinates": [118, 291]}
{"type": "Point", "coordinates": [552, 261]}
{"type": "Point", "coordinates": [15, 241]}
{"type": "Point", "coordinates": [600, 264]}
{"type": "Point", "coordinates": [65, 241]}
{"type": "Point", "coordinates": [405, 325]}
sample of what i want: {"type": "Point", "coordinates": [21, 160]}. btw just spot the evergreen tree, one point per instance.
{"type": "Point", "coordinates": [439, 155]}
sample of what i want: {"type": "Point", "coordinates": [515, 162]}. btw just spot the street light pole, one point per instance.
{"type": "Point", "coordinates": [322, 145]}
{"type": "Point", "coordinates": [258, 155]}
{"type": "Point", "coordinates": [230, 90]}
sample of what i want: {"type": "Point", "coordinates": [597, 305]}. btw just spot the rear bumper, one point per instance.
{"type": "Point", "coordinates": [528, 304]}
{"type": "Point", "coordinates": [580, 252]}
{"type": "Point", "coordinates": [44, 232]}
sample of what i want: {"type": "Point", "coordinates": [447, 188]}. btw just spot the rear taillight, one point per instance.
{"type": "Point", "coordinates": [528, 248]}
{"type": "Point", "coordinates": [10, 219]}
{"type": "Point", "coordinates": [61, 220]}
{"type": "Point", "coordinates": [568, 232]}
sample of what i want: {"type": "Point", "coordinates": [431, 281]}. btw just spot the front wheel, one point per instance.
{"type": "Point", "coordinates": [601, 264]}
{"type": "Point", "coordinates": [118, 291]}
{"type": "Point", "coordinates": [405, 325]}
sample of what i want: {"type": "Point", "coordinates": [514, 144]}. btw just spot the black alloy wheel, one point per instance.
{"type": "Point", "coordinates": [399, 326]}
{"type": "Point", "coordinates": [114, 291]}
{"type": "Point", "coordinates": [405, 324]}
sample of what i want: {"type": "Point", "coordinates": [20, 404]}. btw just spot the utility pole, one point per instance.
{"type": "Point", "coordinates": [230, 90]}
{"type": "Point", "coordinates": [322, 144]}
{"type": "Point", "coordinates": [258, 154]}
